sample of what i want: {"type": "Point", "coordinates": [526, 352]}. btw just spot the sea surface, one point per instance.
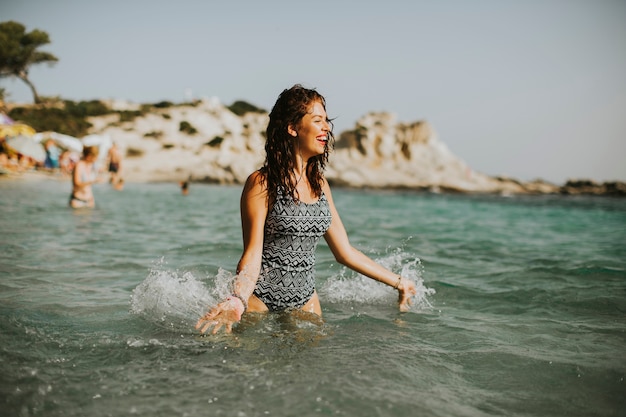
{"type": "Point", "coordinates": [521, 309]}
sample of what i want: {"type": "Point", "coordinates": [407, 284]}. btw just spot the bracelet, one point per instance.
{"type": "Point", "coordinates": [398, 283]}
{"type": "Point", "coordinates": [243, 301]}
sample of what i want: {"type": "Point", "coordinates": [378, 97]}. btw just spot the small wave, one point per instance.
{"type": "Point", "coordinates": [175, 300]}
{"type": "Point", "coordinates": [353, 287]}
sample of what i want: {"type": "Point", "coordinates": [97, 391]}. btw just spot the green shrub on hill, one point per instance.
{"type": "Point", "coordinates": [153, 134]}
{"type": "Point", "coordinates": [68, 118]}
{"type": "Point", "coordinates": [162, 104]}
{"type": "Point", "coordinates": [129, 115]}
{"type": "Point", "coordinates": [242, 107]}
{"type": "Point", "coordinates": [134, 152]}
{"type": "Point", "coordinates": [216, 141]}
{"type": "Point", "coordinates": [186, 127]}
{"type": "Point", "coordinates": [86, 108]}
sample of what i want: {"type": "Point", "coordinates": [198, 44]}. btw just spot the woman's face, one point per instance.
{"type": "Point", "coordinates": [312, 131]}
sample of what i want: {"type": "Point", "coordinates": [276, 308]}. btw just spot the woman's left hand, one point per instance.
{"type": "Point", "coordinates": [225, 314]}
{"type": "Point", "coordinates": [406, 290]}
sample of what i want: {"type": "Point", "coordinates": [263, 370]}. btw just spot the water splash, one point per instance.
{"type": "Point", "coordinates": [176, 300]}
{"type": "Point", "coordinates": [353, 287]}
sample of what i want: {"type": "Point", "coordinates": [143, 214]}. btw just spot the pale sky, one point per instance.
{"type": "Point", "coordinates": [526, 88]}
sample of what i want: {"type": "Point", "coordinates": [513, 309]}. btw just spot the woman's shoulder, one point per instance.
{"type": "Point", "coordinates": [256, 182]}
{"type": "Point", "coordinates": [325, 186]}
{"type": "Point", "coordinates": [255, 190]}
{"type": "Point", "coordinates": [257, 178]}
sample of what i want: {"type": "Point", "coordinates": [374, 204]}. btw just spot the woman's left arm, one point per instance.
{"type": "Point", "coordinates": [347, 255]}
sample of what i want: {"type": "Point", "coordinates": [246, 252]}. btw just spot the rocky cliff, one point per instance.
{"type": "Point", "coordinates": [382, 153]}
{"type": "Point", "coordinates": [209, 143]}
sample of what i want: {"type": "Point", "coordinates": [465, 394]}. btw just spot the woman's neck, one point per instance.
{"type": "Point", "coordinates": [299, 167]}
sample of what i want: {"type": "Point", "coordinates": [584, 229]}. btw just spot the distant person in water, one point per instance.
{"type": "Point", "coordinates": [115, 167]}
{"type": "Point", "coordinates": [83, 176]}
{"type": "Point", "coordinates": [184, 187]}
{"type": "Point", "coordinates": [286, 206]}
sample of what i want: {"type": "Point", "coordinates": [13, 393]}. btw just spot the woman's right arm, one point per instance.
{"type": "Point", "coordinates": [254, 207]}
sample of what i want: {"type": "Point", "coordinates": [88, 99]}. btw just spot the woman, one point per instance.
{"type": "Point", "coordinates": [83, 177]}
{"type": "Point", "coordinates": [286, 206]}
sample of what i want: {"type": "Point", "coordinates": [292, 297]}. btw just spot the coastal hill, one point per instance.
{"type": "Point", "coordinates": [382, 153]}
{"type": "Point", "coordinates": [206, 142]}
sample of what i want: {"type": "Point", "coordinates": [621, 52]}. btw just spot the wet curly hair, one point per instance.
{"type": "Point", "coordinates": [290, 107]}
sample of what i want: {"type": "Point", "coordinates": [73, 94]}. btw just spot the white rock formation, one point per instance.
{"type": "Point", "coordinates": [380, 152]}
{"type": "Point", "coordinates": [226, 148]}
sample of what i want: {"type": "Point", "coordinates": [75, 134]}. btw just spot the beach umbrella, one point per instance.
{"type": "Point", "coordinates": [16, 130]}
{"type": "Point", "coordinates": [28, 147]}
{"type": "Point", "coordinates": [64, 141]}
{"type": "Point", "coordinates": [5, 120]}
{"type": "Point", "coordinates": [97, 140]}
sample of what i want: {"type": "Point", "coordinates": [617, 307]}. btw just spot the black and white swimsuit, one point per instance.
{"type": "Point", "coordinates": [292, 231]}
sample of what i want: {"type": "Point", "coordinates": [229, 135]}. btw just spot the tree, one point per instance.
{"type": "Point", "coordinates": [19, 50]}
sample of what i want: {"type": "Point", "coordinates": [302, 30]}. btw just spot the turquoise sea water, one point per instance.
{"type": "Point", "coordinates": [521, 310]}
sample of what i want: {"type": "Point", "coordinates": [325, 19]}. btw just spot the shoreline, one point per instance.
{"type": "Point", "coordinates": [582, 187]}
{"type": "Point", "coordinates": [207, 142]}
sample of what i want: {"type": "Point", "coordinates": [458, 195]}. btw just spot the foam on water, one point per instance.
{"type": "Point", "coordinates": [349, 286]}
{"type": "Point", "coordinates": [174, 299]}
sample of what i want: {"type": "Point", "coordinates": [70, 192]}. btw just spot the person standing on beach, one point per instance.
{"type": "Point", "coordinates": [52, 155]}
{"type": "Point", "coordinates": [83, 176]}
{"type": "Point", "coordinates": [286, 206]}
{"type": "Point", "coordinates": [115, 166]}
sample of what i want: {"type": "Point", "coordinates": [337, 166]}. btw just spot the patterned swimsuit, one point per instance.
{"type": "Point", "coordinates": [292, 231]}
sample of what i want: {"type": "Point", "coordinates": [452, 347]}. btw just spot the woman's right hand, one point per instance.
{"type": "Point", "coordinates": [225, 314]}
